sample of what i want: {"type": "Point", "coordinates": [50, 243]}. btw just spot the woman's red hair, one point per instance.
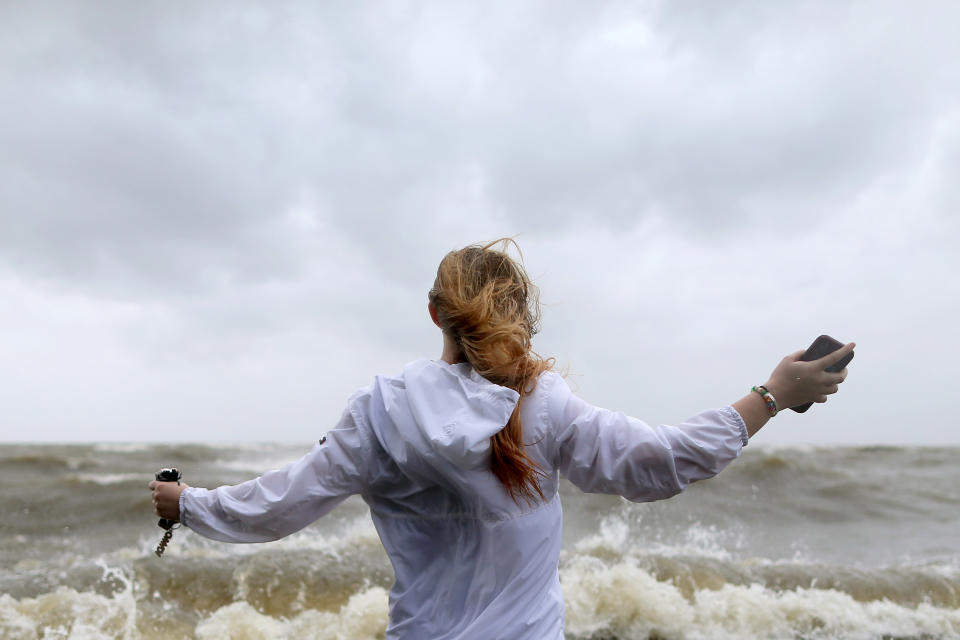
{"type": "Point", "coordinates": [487, 304]}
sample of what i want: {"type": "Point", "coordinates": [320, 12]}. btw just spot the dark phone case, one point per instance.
{"type": "Point", "coordinates": [821, 347]}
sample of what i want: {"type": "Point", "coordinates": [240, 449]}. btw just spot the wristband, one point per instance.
{"type": "Point", "coordinates": [768, 399]}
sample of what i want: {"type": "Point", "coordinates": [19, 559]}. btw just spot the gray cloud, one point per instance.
{"type": "Point", "coordinates": [142, 140]}
{"type": "Point", "coordinates": [229, 182]}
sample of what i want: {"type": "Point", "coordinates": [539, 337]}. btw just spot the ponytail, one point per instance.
{"type": "Point", "coordinates": [486, 302]}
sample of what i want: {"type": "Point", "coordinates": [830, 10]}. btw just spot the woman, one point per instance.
{"type": "Point", "coordinates": [459, 460]}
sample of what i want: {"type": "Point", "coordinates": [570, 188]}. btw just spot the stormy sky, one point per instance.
{"type": "Point", "coordinates": [218, 220]}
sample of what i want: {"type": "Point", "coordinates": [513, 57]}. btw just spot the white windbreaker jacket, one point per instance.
{"type": "Point", "coordinates": [470, 563]}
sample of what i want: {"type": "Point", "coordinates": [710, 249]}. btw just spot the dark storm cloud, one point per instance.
{"type": "Point", "coordinates": [117, 169]}
{"type": "Point", "coordinates": [166, 148]}
{"type": "Point", "coordinates": [213, 212]}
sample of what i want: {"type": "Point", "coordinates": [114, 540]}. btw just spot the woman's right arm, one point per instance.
{"type": "Point", "coordinates": [792, 383]}
{"type": "Point", "coordinates": [603, 451]}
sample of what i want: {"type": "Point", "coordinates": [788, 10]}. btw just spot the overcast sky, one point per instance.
{"type": "Point", "coordinates": [218, 220]}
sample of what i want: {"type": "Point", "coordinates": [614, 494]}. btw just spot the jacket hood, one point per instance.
{"type": "Point", "coordinates": [438, 418]}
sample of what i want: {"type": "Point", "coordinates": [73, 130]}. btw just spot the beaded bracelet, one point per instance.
{"type": "Point", "coordinates": [768, 399]}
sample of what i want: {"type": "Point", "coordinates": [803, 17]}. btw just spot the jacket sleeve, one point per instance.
{"type": "Point", "coordinates": [602, 451]}
{"type": "Point", "coordinates": [283, 501]}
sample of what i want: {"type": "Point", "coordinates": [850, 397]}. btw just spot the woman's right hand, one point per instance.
{"type": "Point", "coordinates": [795, 382]}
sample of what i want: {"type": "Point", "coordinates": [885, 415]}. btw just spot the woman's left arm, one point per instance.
{"type": "Point", "coordinates": [279, 502]}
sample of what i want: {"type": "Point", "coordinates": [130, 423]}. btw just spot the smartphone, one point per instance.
{"type": "Point", "coordinates": [821, 347]}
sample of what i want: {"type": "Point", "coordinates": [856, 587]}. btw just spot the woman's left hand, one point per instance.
{"type": "Point", "coordinates": [166, 498]}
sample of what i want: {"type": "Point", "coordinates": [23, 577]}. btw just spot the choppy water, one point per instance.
{"type": "Point", "coordinates": [786, 543]}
